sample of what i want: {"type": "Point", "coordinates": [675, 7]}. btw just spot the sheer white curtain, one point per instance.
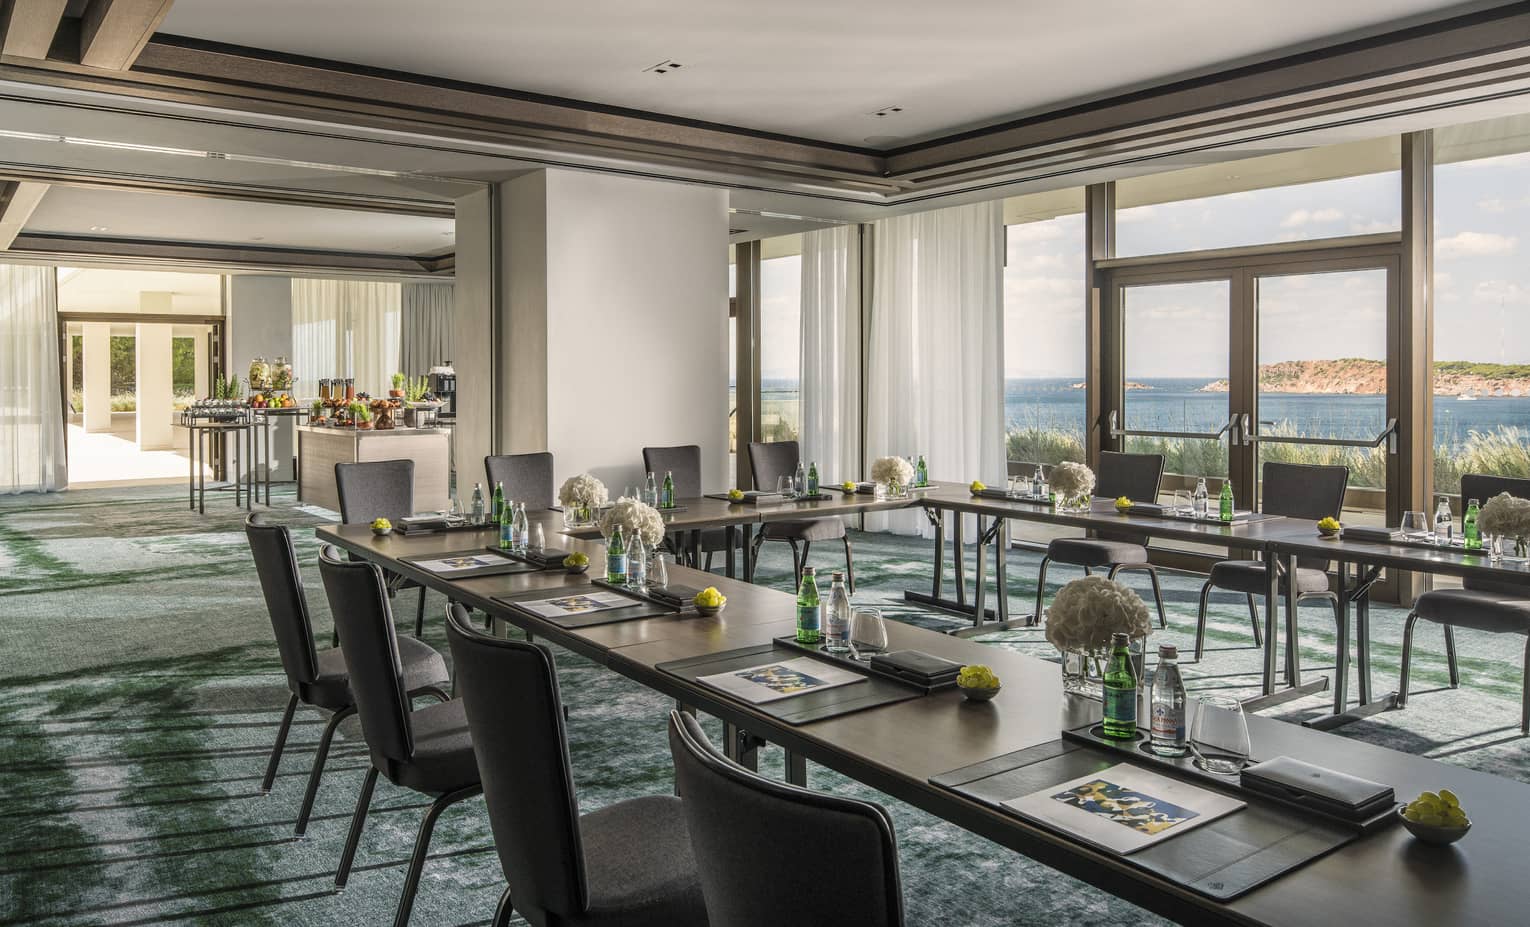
{"type": "Point", "coordinates": [935, 378]}
{"type": "Point", "coordinates": [831, 351]}
{"type": "Point", "coordinates": [427, 326]}
{"type": "Point", "coordinates": [346, 328]}
{"type": "Point", "coordinates": [31, 417]}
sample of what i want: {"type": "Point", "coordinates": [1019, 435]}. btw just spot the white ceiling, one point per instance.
{"type": "Point", "coordinates": [78, 211]}
{"type": "Point", "coordinates": [93, 290]}
{"type": "Point", "coordinates": [806, 68]}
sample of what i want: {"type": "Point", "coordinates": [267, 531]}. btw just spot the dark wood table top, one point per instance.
{"type": "Point", "coordinates": [1384, 878]}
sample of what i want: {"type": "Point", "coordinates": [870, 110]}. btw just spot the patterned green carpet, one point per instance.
{"type": "Point", "coordinates": [141, 692]}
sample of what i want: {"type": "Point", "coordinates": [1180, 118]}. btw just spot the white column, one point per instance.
{"type": "Point", "coordinates": [68, 362]}
{"type": "Point", "coordinates": [97, 375]}
{"type": "Point", "coordinates": [201, 389]}
{"type": "Point", "coordinates": [156, 392]}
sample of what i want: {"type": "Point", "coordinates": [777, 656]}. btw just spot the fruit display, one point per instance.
{"type": "Point", "coordinates": [1329, 526]}
{"type": "Point", "coordinates": [1437, 809]}
{"type": "Point", "coordinates": [848, 486]}
{"type": "Point", "coordinates": [1123, 504]}
{"type": "Point", "coordinates": [735, 495]}
{"type": "Point", "coordinates": [381, 526]}
{"type": "Point", "coordinates": [260, 374]}
{"type": "Point", "coordinates": [977, 676]}
{"type": "Point", "coordinates": [575, 560]}
{"type": "Point", "coordinates": [710, 598]}
{"type": "Point", "coordinates": [977, 486]}
{"type": "Point", "coordinates": [383, 412]}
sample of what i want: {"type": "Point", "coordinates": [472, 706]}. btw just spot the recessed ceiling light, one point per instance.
{"type": "Point", "coordinates": [99, 228]}
{"type": "Point", "coordinates": [886, 111]}
{"type": "Point", "coordinates": [257, 238]}
{"type": "Point", "coordinates": [664, 67]}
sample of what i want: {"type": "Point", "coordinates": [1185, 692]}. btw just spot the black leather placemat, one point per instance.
{"type": "Point", "coordinates": [1222, 859]}
{"type": "Point", "coordinates": [848, 661]}
{"type": "Point", "coordinates": [796, 709]}
{"type": "Point", "coordinates": [637, 610]}
{"type": "Point", "coordinates": [548, 559]}
{"type": "Point", "coordinates": [504, 567]}
{"type": "Point", "coordinates": [675, 597]}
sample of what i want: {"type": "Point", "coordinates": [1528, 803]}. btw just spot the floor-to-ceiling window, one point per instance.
{"type": "Point", "coordinates": [732, 351]}
{"type": "Point", "coordinates": [1481, 296]}
{"type": "Point", "coordinates": [780, 337]}
{"type": "Point", "coordinates": [1044, 303]}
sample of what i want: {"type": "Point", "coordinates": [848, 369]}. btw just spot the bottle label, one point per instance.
{"type": "Point", "coordinates": [616, 566]}
{"type": "Point", "coordinates": [1121, 705]}
{"type": "Point", "coordinates": [808, 617]}
{"type": "Point", "coordinates": [1168, 724]}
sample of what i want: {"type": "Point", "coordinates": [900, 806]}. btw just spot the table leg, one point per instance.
{"type": "Point", "coordinates": [748, 545]}
{"type": "Point", "coordinates": [796, 769]}
{"type": "Point", "coordinates": [1363, 647]}
{"type": "Point", "coordinates": [265, 438]}
{"type": "Point", "coordinates": [940, 552]}
{"type": "Point", "coordinates": [980, 569]}
{"type": "Point", "coordinates": [729, 566]}
{"type": "Point", "coordinates": [1293, 647]}
{"type": "Point", "coordinates": [1341, 666]}
{"type": "Point", "coordinates": [1001, 568]}
{"type": "Point", "coordinates": [1271, 603]}
{"type": "Point", "coordinates": [201, 475]}
{"type": "Point", "coordinates": [249, 470]}
{"type": "Point", "coordinates": [740, 746]}
{"type": "Point", "coordinates": [191, 475]}
{"type": "Point", "coordinates": [695, 550]}
{"type": "Point", "coordinates": [959, 562]}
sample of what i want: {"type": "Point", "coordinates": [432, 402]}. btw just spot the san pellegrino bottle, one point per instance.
{"type": "Point", "coordinates": [616, 557]}
{"type": "Point", "coordinates": [1202, 498]}
{"type": "Point", "coordinates": [667, 494]}
{"type": "Point", "coordinates": [812, 479]}
{"type": "Point", "coordinates": [1444, 522]}
{"type": "Point", "coordinates": [506, 529]}
{"type": "Point", "coordinates": [921, 473]}
{"type": "Point", "coordinates": [799, 480]}
{"type": "Point", "coordinates": [651, 488]}
{"type": "Point", "coordinates": [809, 609]}
{"type": "Point", "coordinates": [1168, 705]}
{"type": "Point", "coordinates": [1120, 691]}
{"type": "Point", "coordinates": [836, 626]}
{"type": "Point", "coordinates": [1225, 502]}
{"type": "Point", "coordinates": [521, 525]}
{"type": "Point", "coordinates": [478, 513]}
{"type": "Point", "coordinates": [1469, 532]}
{"type": "Point", "coordinates": [637, 563]}
{"type": "Point", "coordinates": [499, 501]}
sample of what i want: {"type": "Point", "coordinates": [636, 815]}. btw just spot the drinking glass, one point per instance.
{"type": "Point", "coordinates": [1416, 526]}
{"type": "Point", "coordinates": [454, 516]}
{"type": "Point", "coordinates": [1184, 505]}
{"type": "Point", "coordinates": [1219, 735]}
{"type": "Point", "coordinates": [784, 485]}
{"type": "Point", "coordinates": [538, 539]}
{"type": "Point", "coordinates": [868, 633]}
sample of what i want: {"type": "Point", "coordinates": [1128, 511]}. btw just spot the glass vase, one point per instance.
{"type": "Point", "coordinates": [1074, 502]}
{"type": "Point", "coordinates": [1081, 673]}
{"type": "Point", "coordinates": [1495, 548]}
{"type": "Point", "coordinates": [1521, 548]}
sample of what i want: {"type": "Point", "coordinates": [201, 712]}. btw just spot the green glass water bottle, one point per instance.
{"type": "Point", "coordinates": [809, 609]}
{"type": "Point", "coordinates": [1472, 536]}
{"type": "Point", "coordinates": [812, 479]}
{"type": "Point", "coordinates": [921, 472]}
{"type": "Point", "coordinates": [506, 519]}
{"type": "Point", "coordinates": [499, 501]}
{"type": "Point", "coordinates": [1120, 691]}
{"type": "Point", "coordinates": [1225, 502]}
{"type": "Point", "coordinates": [616, 557]}
{"type": "Point", "coordinates": [667, 494]}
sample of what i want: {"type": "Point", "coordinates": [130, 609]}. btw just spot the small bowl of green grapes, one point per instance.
{"type": "Point", "coordinates": [977, 682]}
{"type": "Point", "coordinates": [1435, 818]}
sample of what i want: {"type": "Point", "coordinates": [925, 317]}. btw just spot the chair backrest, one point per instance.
{"type": "Point", "coordinates": [1310, 491]}
{"type": "Point", "coordinates": [375, 489]}
{"type": "Point", "coordinates": [752, 836]}
{"type": "Point", "coordinates": [276, 565]}
{"type": "Point", "coordinates": [684, 461]}
{"type": "Point", "coordinates": [1482, 487]}
{"type": "Point", "coordinates": [528, 478]}
{"type": "Point", "coordinates": [771, 460]}
{"type": "Point", "coordinates": [358, 600]}
{"type": "Point", "coordinates": [1135, 476]}
{"type": "Point", "coordinates": [515, 715]}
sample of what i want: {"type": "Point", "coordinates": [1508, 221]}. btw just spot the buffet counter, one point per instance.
{"type": "Point", "coordinates": [320, 448]}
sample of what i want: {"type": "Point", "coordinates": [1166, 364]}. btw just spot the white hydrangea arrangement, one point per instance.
{"type": "Point", "coordinates": [1505, 516]}
{"type": "Point", "coordinates": [1088, 611]}
{"type": "Point", "coordinates": [583, 491]}
{"type": "Point", "coordinates": [1071, 479]}
{"type": "Point", "coordinates": [636, 519]}
{"type": "Point", "coordinates": [894, 471]}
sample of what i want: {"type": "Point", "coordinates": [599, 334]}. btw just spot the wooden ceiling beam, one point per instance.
{"type": "Point", "coordinates": [18, 198]}
{"type": "Point", "coordinates": [27, 27]}
{"type": "Point", "coordinates": [114, 32]}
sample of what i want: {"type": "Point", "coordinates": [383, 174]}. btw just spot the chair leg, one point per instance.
{"type": "Point", "coordinates": [1041, 589]}
{"type": "Point", "coordinates": [1407, 659]}
{"type": "Point", "coordinates": [1524, 708]}
{"type": "Point", "coordinates": [419, 616]}
{"type": "Point", "coordinates": [1200, 621]}
{"type": "Point", "coordinates": [708, 567]}
{"type": "Point", "coordinates": [317, 772]}
{"type": "Point", "coordinates": [1163, 620]}
{"type": "Point", "coordinates": [280, 745]}
{"type": "Point", "coordinates": [1253, 620]}
{"type": "Point", "coordinates": [754, 554]}
{"type": "Point", "coordinates": [358, 820]}
{"type": "Point", "coordinates": [796, 565]}
{"type": "Point", "coordinates": [1450, 657]}
{"type": "Point", "coordinates": [504, 910]}
{"type": "Point", "coordinates": [422, 849]}
{"type": "Point", "coordinates": [849, 566]}
{"type": "Point", "coordinates": [806, 546]}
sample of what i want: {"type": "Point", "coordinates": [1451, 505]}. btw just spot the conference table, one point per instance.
{"type": "Point", "coordinates": [1384, 877]}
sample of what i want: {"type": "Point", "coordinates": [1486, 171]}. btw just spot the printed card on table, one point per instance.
{"type": "Point", "coordinates": [564, 606]}
{"type": "Point", "coordinates": [460, 563]}
{"type": "Point", "coordinates": [784, 679]}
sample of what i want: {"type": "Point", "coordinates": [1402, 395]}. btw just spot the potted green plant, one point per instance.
{"type": "Point", "coordinates": [316, 414]}
{"type": "Point", "coordinates": [397, 392]}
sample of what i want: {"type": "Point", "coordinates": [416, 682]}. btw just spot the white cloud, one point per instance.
{"type": "Point", "coordinates": [1492, 205]}
{"type": "Point", "coordinates": [1301, 217]}
{"type": "Point", "coordinates": [1475, 244]}
{"type": "Point", "coordinates": [1035, 231]}
{"type": "Point", "coordinates": [1500, 291]}
{"type": "Point", "coordinates": [1371, 227]}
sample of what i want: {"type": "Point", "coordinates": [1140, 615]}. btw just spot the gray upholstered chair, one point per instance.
{"type": "Point", "coordinates": [629, 863]}
{"type": "Point", "coordinates": [1309, 492]}
{"type": "Point", "coordinates": [1479, 605]}
{"type": "Point", "coordinates": [769, 462]}
{"type": "Point", "coordinates": [683, 464]}
{"type": "Point", "coordinates": [318, 678]}
{"type": "Point", "coordinates": [426, 750]}
{"type": "Point", "coordinates": [374, 489]}
{"type": "Point", "coordinates": [755, 838]}
{"type": "Point", "coordinates": [1137, 477]}
{"type": "Point", "coordinates": [528, 478]}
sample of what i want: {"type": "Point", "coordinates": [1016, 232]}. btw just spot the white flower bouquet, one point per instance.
{"type": "Point", "coordinates": [1071, 479]}
{"type": "Point", "coordinates": [893, 471]}
{"type": "Point", "coordinates": [1088, 611]}
{"type": "Point", "coordinates": [582, 492]}
{"type": "Point", "coordinates": [1506, 516]}
{"type": "Point", "coordinates": [636, 519]}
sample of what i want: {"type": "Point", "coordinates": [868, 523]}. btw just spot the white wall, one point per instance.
{"type": "Point", "coordinates": [621, 286]}
{"type": "Point", "coordinates": [96, 378]}
{"type": "Point", "coordinates": [156, 391]}
{"type": "Point", "coordinates": [473, 357]}
{"type": "Point", "coordinates": [260, 325]}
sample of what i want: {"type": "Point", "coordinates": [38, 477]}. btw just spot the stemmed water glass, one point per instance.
{"type": "Point", "coordinates": [1219, 735]}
